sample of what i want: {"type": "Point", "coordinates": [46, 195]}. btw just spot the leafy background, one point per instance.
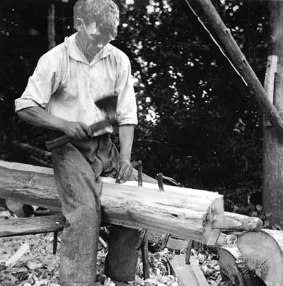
{"type": "Point", "coordinates": [197, 121]}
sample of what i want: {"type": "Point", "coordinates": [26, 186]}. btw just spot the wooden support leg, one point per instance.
{"type": "Point", "coordinates": [144, 246]}
{"type": "Point", "coordinates": [188, 251]}
{"type": "Point", "coordinates": [145, 259]}
{"type": "Point", "coordinates": [55, 242]}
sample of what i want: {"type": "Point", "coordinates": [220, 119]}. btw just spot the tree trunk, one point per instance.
{"type": "Point", "coordinates": [186, 213]}
{"type": "Point", "coordinates": [263, 253]}
{"type": "Point", "coordinates": [51, 26]}
{"type": "Point", "coordinates": [273, 141]}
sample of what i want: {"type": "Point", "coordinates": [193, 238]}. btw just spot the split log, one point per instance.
{"type": "Point", "coordinates": [185, 214]}
{"type": "Point", "coordinates": [234, 267]}
{"type": "Point", "coordinates": [263, 252]}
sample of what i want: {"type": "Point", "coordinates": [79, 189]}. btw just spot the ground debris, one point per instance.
{"type": "Point", "coordinates": [39, 267]}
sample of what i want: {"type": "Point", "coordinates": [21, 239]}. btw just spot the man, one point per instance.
{"type": "Point", "coordinates": [61, 95]}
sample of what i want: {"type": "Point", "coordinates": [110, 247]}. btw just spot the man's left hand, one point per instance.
{"type": "Point", "coordinates": [125, 170]}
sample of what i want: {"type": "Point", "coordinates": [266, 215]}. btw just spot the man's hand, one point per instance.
{"type": "Point", "coordinates": [76, 130]}
{"type": "Point", "coordinates": [125, 170]}
{"type": "Point", "coordinates": [126, 136]}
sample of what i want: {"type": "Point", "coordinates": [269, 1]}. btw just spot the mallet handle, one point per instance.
{"type": "Point", "coordinates": [65, 139]}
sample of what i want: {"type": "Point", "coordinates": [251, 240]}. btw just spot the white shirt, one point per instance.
{"type": "Point", "coordinates": [67, 85]}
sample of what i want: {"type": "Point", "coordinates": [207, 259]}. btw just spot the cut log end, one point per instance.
{"type": "Point", "coordinates": [235, 269]}
{"type": "Point", "coordinates": [263, 254]}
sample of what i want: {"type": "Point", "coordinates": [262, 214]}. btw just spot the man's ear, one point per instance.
{"type": "Point", "coordinates": [79, 23]}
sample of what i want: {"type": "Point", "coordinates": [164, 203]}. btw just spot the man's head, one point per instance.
{"type": "Point", "coordinates": [97, 19]}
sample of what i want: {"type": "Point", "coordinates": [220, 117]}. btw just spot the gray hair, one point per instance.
{"type": "Point", "coordinates": [104, 13]}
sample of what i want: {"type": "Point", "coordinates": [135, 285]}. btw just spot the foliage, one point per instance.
{"type": "Point", "coordinates": [197, 122]}
{"type": "Point", "coordinates": [206, 128]}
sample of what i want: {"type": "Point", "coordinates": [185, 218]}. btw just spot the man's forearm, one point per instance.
{"type": "Point", "coordinates": [126, 137]}
{"type": "Point", "coordinates": [40, 117]}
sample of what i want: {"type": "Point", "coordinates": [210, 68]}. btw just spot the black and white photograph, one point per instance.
{"type": "Point", "coordinates": [141, 142]}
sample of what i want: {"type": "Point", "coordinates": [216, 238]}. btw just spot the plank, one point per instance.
{"type": "Point", "coordinates": [187, 274]}
{"type": "Point", "coordinates": [32, 225]}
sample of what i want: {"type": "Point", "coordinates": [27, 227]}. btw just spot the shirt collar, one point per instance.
{"type": "Point", "coordinates": [76, 54]}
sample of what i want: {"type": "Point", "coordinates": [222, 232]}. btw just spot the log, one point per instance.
{"type": "Point", "coordinates": [263, 253]}
{"type": "Point", "coordinates": [237, 222]}
{"type": "Point", "coordinates": [33, 225]}
{"type": "Point", "coordinates": [185, 214]}
{"type": "Point", "coordinates": [239, 61]}
{"type": "Point", "coordinates": [234, 268]}
{"type": "Point", "coordinates": [228, 222]}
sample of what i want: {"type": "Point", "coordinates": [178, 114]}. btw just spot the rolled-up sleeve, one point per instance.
{"type": "Point", "coordinates": [126, 106]}
{"type": "Point", "coordinates": [41, 84]}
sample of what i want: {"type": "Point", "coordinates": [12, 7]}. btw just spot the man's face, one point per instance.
{"type": "Point", "coordinates": [93, 38]}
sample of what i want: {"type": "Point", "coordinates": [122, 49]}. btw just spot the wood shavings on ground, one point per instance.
{"type": "Point", "coordinates": [38, 266]}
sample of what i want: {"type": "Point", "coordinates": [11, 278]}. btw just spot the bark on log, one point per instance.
{"type": "Point", "coordinates": [263, 252]}
{"type": "Point", "coordinates": [235, 269]}
{"type": "Point", "coordinates": [185, 214]}
{"type": "Point", "coordinates": [239, 61]}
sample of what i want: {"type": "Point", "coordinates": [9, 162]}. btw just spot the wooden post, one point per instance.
{"type": "Point", "coordinates": [51, 26]}
{"type": "Point", "coordinates": [273, 142]}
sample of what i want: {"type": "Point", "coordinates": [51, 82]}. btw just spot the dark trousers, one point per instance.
{"type": "Point", "coordinates": [77, 169]}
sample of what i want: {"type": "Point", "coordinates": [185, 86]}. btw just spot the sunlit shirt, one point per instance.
{"type": "Point", "coordinates": [67, 85]}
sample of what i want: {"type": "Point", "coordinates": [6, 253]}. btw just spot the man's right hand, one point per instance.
{"type": "Point", "coordinates": [76, 130]}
